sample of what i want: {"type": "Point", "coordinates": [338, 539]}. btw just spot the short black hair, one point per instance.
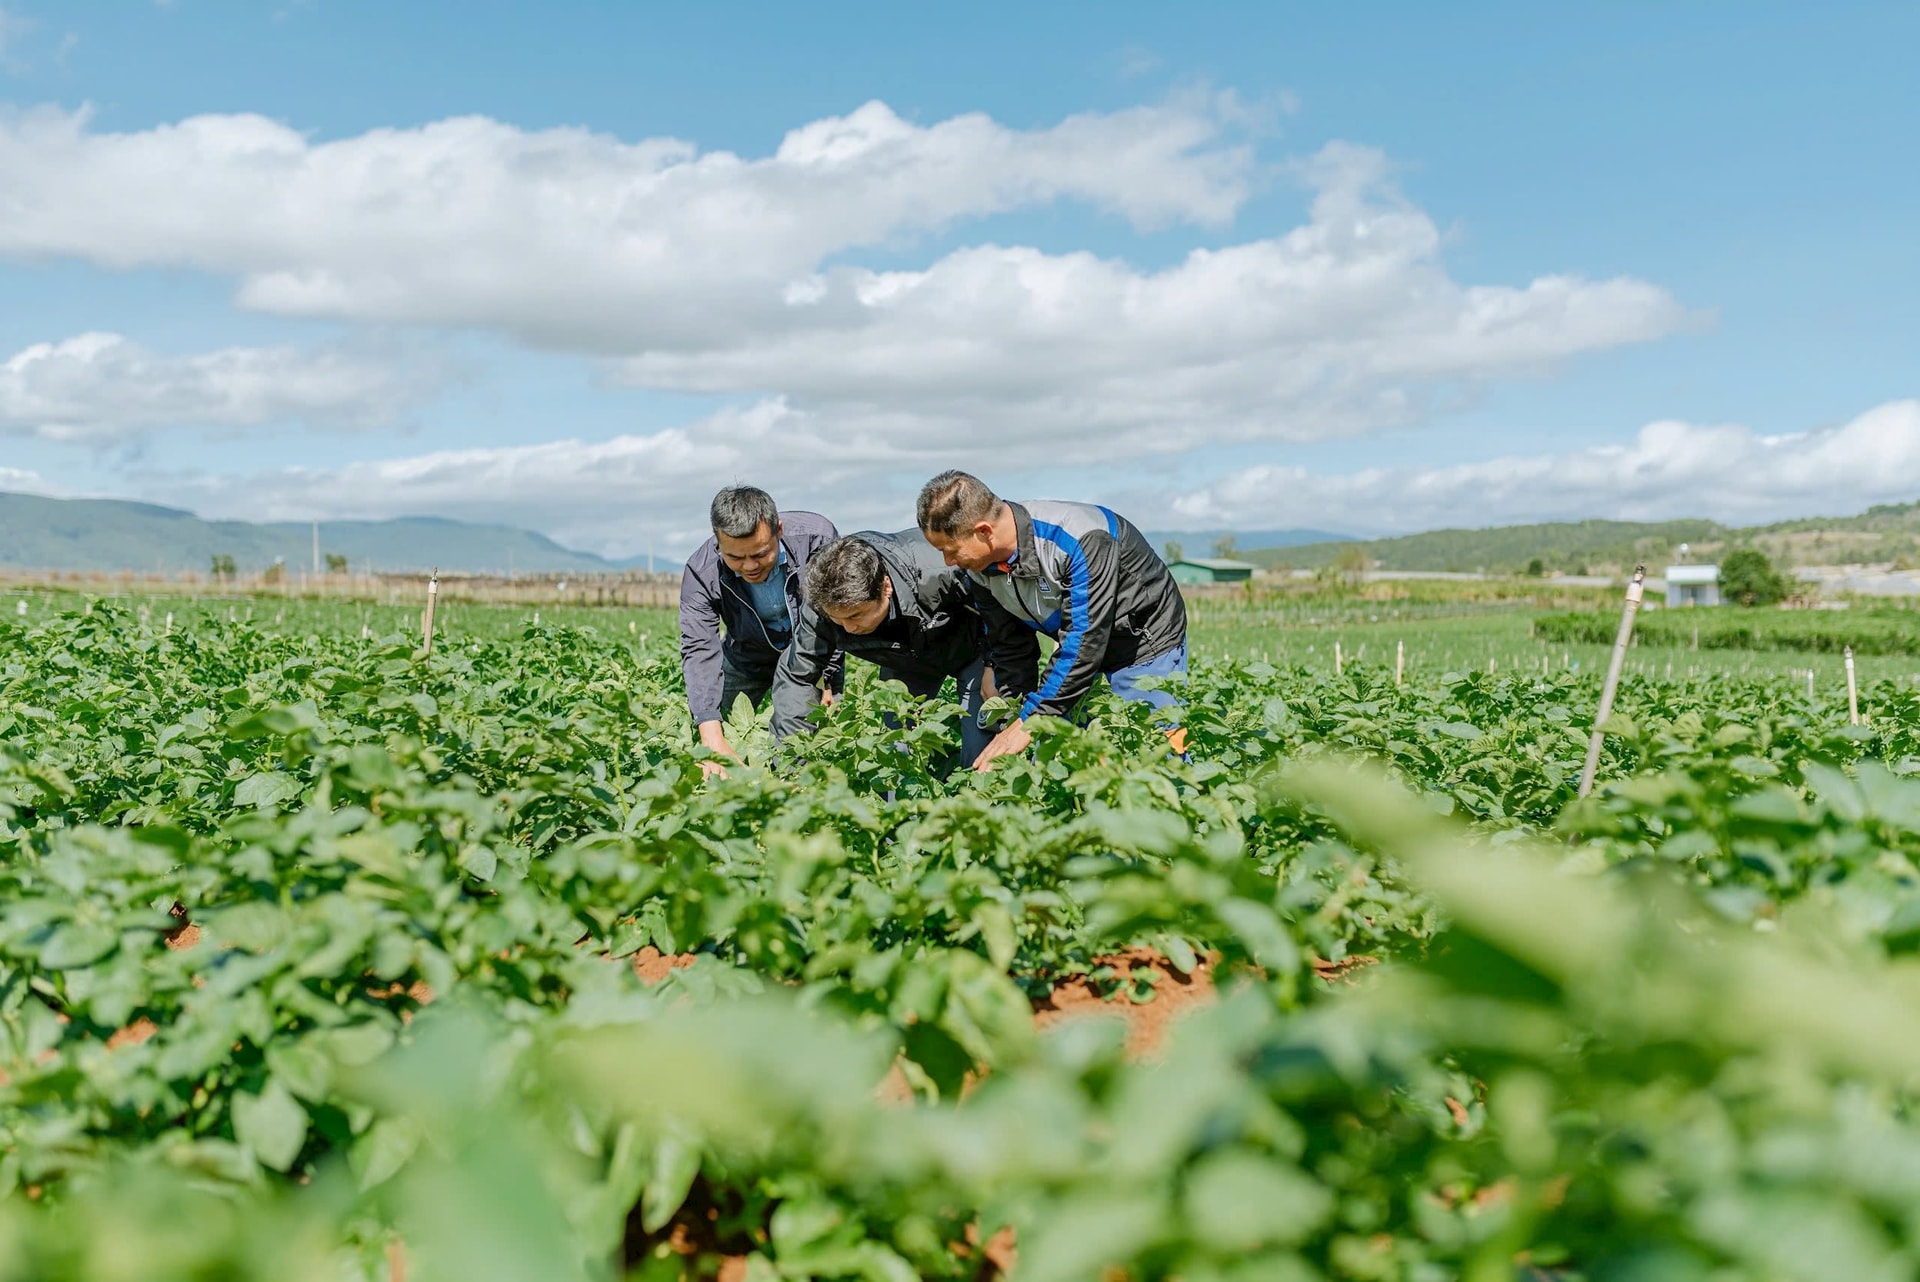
{"type": "Point", "coordinates": [740, 510]}
{"type": "Point", "coordinates": [845, 574]}
{"type": "Point", "coordinates": [954, 502]}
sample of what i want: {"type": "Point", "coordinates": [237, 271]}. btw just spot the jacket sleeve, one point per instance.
{"type": "Point", "coordinates": [1012, 648]}
{"type": "Point", "coordinates": [835, 672]}
{"type": "Point", "coordinates": [700, 648]}
{"type": "Point", "coordinates": [810, 658]}
{"type": "Point", "coordinates": [1086, 622]}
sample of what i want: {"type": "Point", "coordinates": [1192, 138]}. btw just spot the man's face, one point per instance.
{"type": "Point", "coordinates": [971, 550]}
{"type": "Point", "coordinates": [752, 556]}
{"type": "Point", "coordinates": [861, 619]}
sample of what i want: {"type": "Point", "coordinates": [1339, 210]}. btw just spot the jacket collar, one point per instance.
{"type": "Point", "coordinates": [905, 578]}
{"type": "Point", "coordinates": [1025, 565]}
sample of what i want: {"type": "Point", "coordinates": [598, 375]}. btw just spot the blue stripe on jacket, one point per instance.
{"type": "Point", "coordinates": [1079, 586]}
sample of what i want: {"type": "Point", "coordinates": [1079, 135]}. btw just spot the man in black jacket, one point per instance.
{"type": "Point", "coordinates": [889, 599]}
{"type": "Point", "coordinates": [746, 579]}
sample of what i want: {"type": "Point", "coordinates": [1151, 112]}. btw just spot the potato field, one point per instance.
{"type": "Point", "coordinates": [323, 958]}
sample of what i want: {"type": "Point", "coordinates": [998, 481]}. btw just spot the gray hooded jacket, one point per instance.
{"type": "Point", "coordinates": [712, 597]}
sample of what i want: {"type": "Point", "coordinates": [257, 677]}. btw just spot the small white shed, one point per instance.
{"type": "Point", "coordinates": [1693, 585]}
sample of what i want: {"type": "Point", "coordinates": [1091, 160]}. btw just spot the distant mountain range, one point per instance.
{"type": "Point", "coordinates": [113, 534]}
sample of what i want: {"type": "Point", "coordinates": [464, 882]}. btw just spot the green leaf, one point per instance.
{"type": "Point", "coordinates": [480, 861]}
{"type": "Point", "coordinates": [378, 1155]}
{"type": "Point", "coordinates": [76, 944]}
{"type": "Point", "coordinates": [676, 1161]}
{"type": "Point", "coordinates": [997, 931]}
{"type": "Point", "coordinates": [256, 927]}
{"type": "Point", "coordinates": [1238, 1199]}
{"type": "Point", "coordinates": [272, 1124]}
{"type": "Point", "coordinates": [268, 788]}
{"type": "Point", "coordinates": [1077, 1238]}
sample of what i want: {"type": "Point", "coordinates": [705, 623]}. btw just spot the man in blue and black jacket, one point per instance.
{"type": "Point", "coordinates": [1078, 572]}
{"type": "Point", "coordinates": [746, 579]}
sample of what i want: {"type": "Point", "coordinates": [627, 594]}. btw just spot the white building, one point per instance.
{"type": "Point", "coordinates": [1693, 585]}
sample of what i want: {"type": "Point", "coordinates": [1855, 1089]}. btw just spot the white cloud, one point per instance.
{"type": "Point", "coordinates": [607, 496]}
{"type": "Point", "coordinates": [1346, 324]}
{"type": "Point", "coordinates": [713, 272]}
{"type": "Point", "coordinates": [14, 480]}
{"type": "Point", "coordinates": [102, 387]}
{"type": "Point", "coordinates": [612, 497]}
{"type": "Point", "coordinates": [562, 237]}
{"type": "Point", "coordinates": [1669, 469]}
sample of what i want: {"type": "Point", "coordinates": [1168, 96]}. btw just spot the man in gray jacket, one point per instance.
{"type": "Point", "coordinates": [745, 580]}
{"type": "Point", "coordinates": [1080, 573]}
{"type": "Point", "coordinates": [890, 599]}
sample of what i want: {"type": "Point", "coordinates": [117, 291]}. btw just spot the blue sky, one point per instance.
{"type": "Point", "coordinates": [1463, 258]}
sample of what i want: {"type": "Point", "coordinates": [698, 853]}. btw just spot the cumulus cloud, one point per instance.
{"type": "Point", "coordinates": [712, 272]}
{"type": "Point", "coordinates": [103, 387]}
{"type": "Point", "coordinates": [1343, 325]}
{"type": "Point", "coordinates": [15, 480]}
{"type": "Point", "coordinates": [610, 497]}
{"type": "Point", "coordinates": [563, 237]}
{"type": "Point", "coordinates": [613, 497]}
{"type": "Point", "coordinates": [1669, 469]}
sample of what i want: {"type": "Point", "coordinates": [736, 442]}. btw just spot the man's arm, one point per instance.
{"type": "Point", "coordinates": [700, 661]}
{"type": "Point", "coordinates": [1086, 623]}
{"type": "Point", "coordinates": [809, 659]}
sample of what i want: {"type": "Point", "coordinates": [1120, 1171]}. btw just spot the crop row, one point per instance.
{"type": "Point", "coordinates": [309, 921]}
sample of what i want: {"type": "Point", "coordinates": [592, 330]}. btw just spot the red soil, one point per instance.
{"type": "Point", "coordinates": [1147, 1022]}
{"type": "Point", "coordinates": [652, 965]}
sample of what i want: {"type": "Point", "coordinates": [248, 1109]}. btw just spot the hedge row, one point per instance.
{"type": "Point", "coordinates": [1873, 631]}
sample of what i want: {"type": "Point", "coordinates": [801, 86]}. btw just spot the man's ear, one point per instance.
{"type": "Point", "coordinates": [780, 528]}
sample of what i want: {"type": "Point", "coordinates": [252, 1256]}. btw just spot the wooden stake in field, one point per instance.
{"type": "Point", "coordinates": [1612, 684]}
{"type": "Point", "coordinates": [426, 620]}
{"type": "Point", "coordinates": [1853, 690]}
{"type": "Point", "coordinates": [1809, 683]}
{"type": "Point", "coordinates": [1336, 658]}
{"type": "Point", "coordinates": [1399, 661]}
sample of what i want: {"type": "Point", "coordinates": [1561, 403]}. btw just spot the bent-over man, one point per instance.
{"type": "Point", "coordinates": [745, 581]}
{"type": "Point", "coordinates": [1080, 573]}
{"type": "Point", "coordinates": [892, 600]}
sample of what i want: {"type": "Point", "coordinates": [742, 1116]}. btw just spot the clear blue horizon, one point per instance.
{"type": "Point", "coordinates": [1453, 264]}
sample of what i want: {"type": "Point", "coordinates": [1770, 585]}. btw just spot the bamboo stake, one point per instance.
{"type": "Point", "coordinates": [1853, 690]}
{"type": "Point", "coordinates": [1809, 683]}
{"type": "Point", "coordinates": [1399, 661]}
{"type": "Point", "coordinates": [1612, 684]}
{"type": "Point", "coordinates": [1336, 658]}
{"type": "Point", "coordinates": [426, 620]}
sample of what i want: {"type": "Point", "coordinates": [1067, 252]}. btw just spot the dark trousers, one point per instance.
{"type": "Point", "coordinates": [736, 679]}
{"type": "Point", "coordinates": [973, 736]}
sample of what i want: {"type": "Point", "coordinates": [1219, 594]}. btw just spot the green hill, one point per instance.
{"type": "Point", "coordinates": [112, 534]}
{"type": "Point", "coordinates": [1885, 533]}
